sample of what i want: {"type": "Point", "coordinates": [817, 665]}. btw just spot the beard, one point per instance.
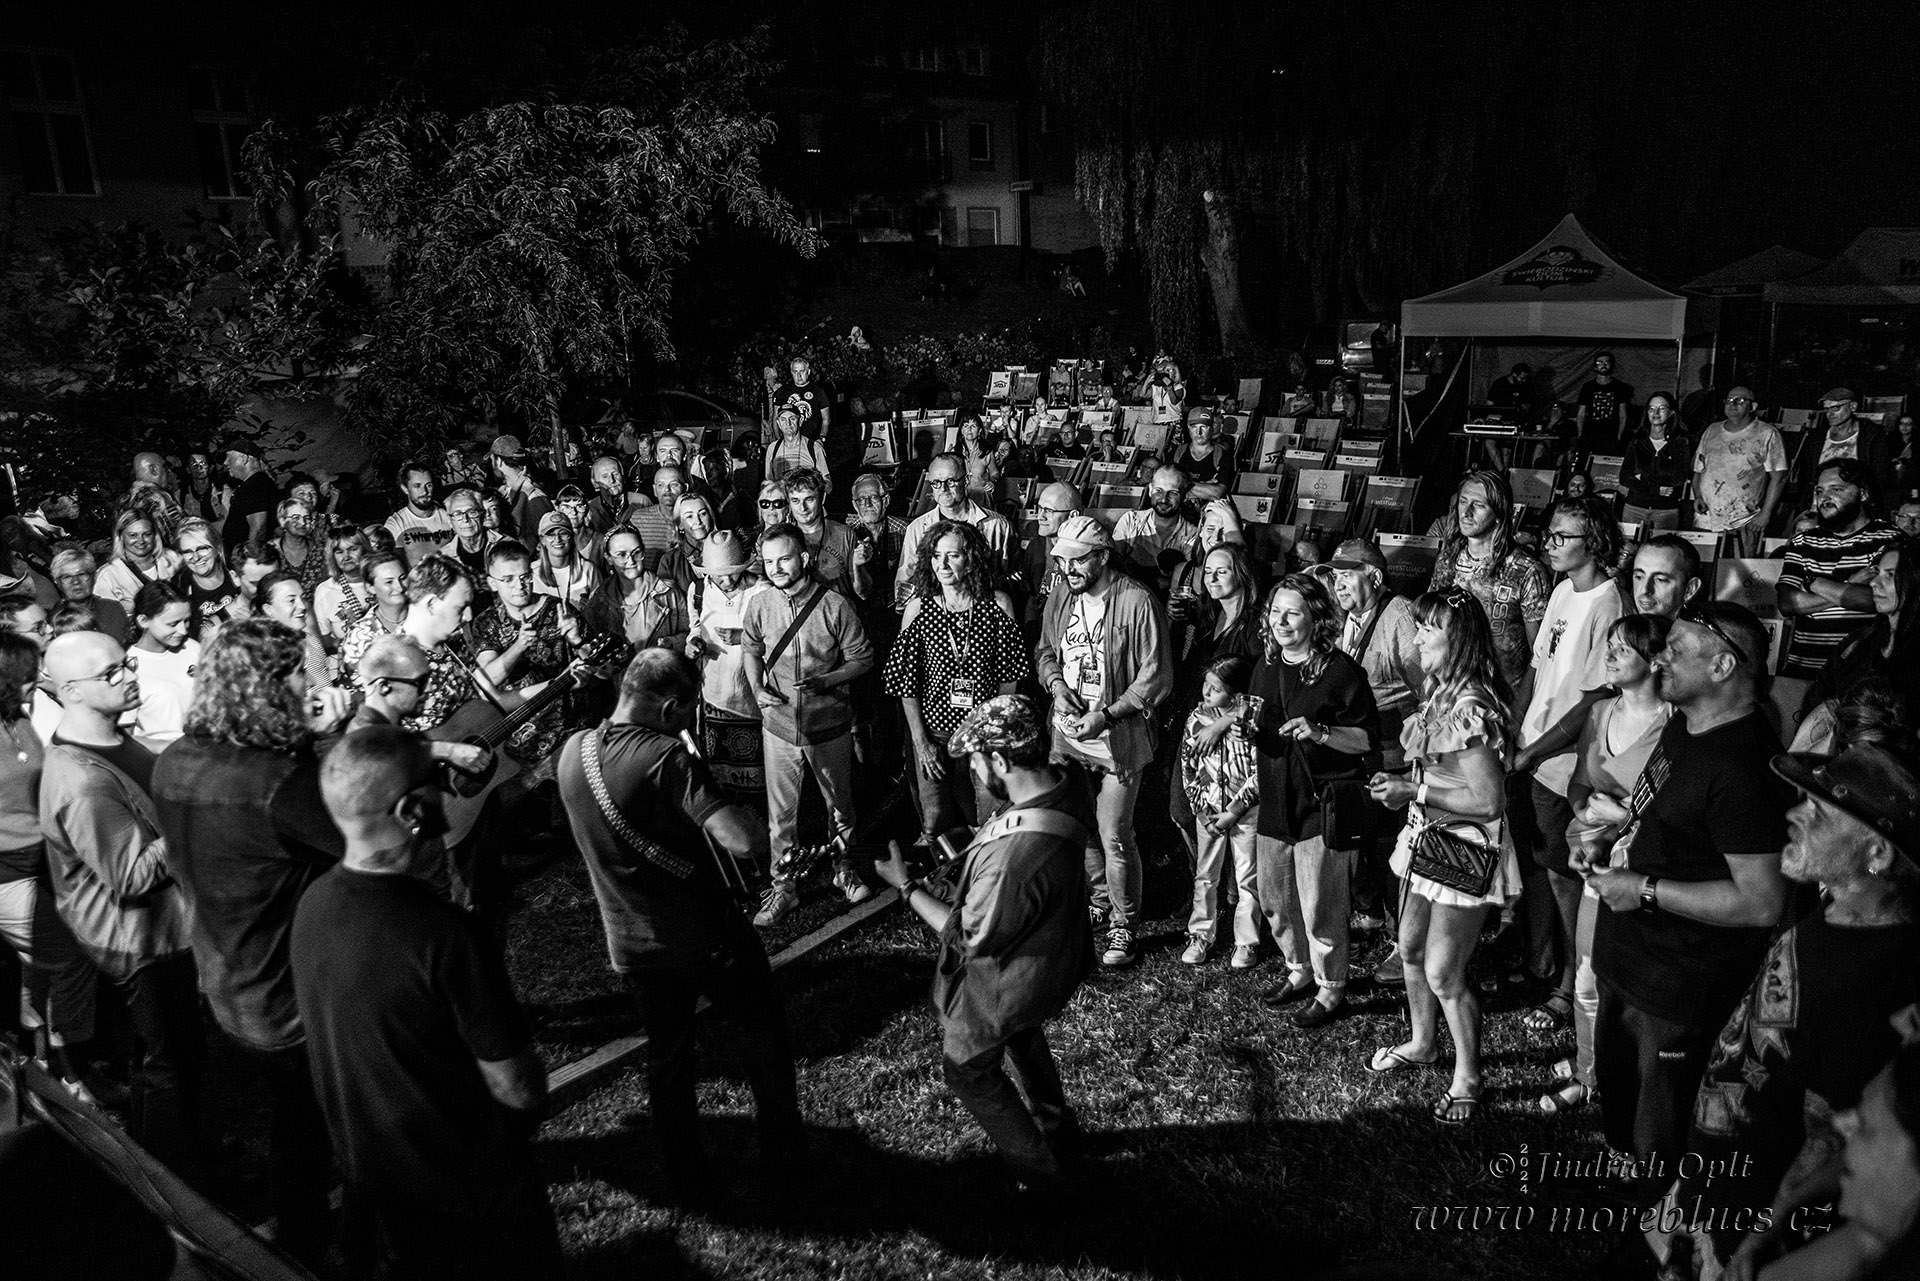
{"type": "Point", "coordinates": [1841, 518]}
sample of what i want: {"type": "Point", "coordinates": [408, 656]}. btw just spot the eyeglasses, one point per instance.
{"type": "Point", "coordinates": [1700, 619]}
{"type": "Point", "coordinates": [625, 556]}
{"type": "Point", "coordinates": [1054, 511]}
{"type": "Point", "coordinates": [79, 577]}
{"type": "Point", "coordinates": [463, 513]}
{"type": "Point", "coordinates": [945, 484]}
{"type": "Point", "coordinates": [1560, 538]}
{"type": "Point", "coordinates": [517, 580]}
{"type": "Point", "coordinates": [418, 682]}
{"type": "Point", "coordinates": [119, 674]}
{"type": "Point", "coordinates": [1739, 400]}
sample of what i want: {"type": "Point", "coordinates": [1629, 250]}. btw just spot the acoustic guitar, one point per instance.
{"type": "Point", "coordinates": [481, 724]}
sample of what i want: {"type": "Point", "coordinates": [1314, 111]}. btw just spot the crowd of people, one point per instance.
{"type": "Point", "coordinates": [266, 755]}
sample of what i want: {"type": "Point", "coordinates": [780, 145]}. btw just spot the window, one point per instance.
{"type": "Point", "coordinates": [980, 144]}
{"type": "Point", "coordinates": [933, 151]}
{"type": "Point", "coordinates": [921, 58]}
{"type": "Point", "coordinates": [49, 123]}
{"type": "Point", "coordinates": [221, 123]}
{"type": "Point", "coordinates": [973, 59]}
{"type": "Point", "coordinates": [983, 227]}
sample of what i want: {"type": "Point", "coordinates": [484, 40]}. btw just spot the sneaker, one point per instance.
{"type": "Point", "coordinates": [1388, 973]}
{"type": "Point", "coordinates": [1245, 956]}
{"type": "Point", "coordinates": [1363, 923]}
{"type": "Point", "coordinates": [781, 897]}
{"type": "Point", "coordinates": [848, 882]}
{"type": "Point", "coordinates": [1121, 948]}
{"type": "Point", "coordinates": [1196, 953]}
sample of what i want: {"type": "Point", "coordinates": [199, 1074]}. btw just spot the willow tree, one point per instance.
{"type": "Point", "coordinates": [531, 245]}
{"type": "Point", "coordinates": [1174, 123]}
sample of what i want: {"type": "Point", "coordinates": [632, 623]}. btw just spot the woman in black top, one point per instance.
{"type": "Point", "coordinates": [1658, 464]}
{"type": "Point", "coordinates": [1889, 646]}
{"type": "Point", "coordinates": [1314, 718]}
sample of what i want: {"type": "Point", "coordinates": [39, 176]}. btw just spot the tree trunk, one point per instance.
{"type": "Point", "coordinates": [1221, 257]}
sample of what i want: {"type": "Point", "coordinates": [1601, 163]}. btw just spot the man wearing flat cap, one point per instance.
{"type": "Point", "coordinates": [1814, 1027]}
{"type": "Point", "coordinates": [1841, 433]}
{"type": "Point", "coordinates": [1015, 940]}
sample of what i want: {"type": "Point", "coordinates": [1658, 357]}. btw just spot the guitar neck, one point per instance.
{"type": "Point", "coordinates": [503, 729]}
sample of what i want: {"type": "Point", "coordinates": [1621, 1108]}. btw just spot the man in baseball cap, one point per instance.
{"type": "Point", "coordinates": [1817, 1016]}
{"type": "Point", "coordinates": [1846, 435]}
{"type": "Point", "coordinates": [526, 501]}
{"type": "Point", "coordinates": [1020, 945]}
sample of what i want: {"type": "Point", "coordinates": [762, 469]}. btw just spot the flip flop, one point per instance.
{"type": "Point", "coordinates": [1443, 1110]}
{"type": "Point", "coordinates": [1386, 1059]}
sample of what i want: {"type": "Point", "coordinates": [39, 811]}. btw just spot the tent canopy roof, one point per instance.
{"type": "Point", "coordinates": [1567, 286]}
{"type": "Point", "coordinates": [1751, 275]}
{"type": "Point", "coordinates": [1880, 267]}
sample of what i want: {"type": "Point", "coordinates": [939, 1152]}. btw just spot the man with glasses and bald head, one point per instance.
{"type": "Point", "coordinates": [947, 483]}
{"type": "Point", "coordinates": [108, 864]}
{"type": "Point", "coordinates": [1739, 473]}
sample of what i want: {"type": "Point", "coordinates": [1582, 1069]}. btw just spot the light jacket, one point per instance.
{"type": "Point", "coordinates": [1136, 668]}
{"type": "Point", "coordinates": [108, 862]}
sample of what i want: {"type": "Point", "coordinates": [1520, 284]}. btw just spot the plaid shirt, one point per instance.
{"type": "Point", "coordinates": [1220, 777]}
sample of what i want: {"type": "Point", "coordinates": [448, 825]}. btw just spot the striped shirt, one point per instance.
{"type": "Point", "coordinates": [1224, 775]}
{"type": "Point", "coordinates": [1817, 637]}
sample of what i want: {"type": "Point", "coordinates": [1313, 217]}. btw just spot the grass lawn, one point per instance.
{"type": "Point", "coordinates": [1227, 1143]}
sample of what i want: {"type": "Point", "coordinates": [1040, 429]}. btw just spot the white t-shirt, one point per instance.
{"type": "Point", "coordinates": [330, 600]}
{"type": "Point", "coordinates": [723, 676]}
{"type": "Point", "coordinates": [1569, 658]}
{"type": "Point", "coordinates": [166, 687]}
{"type": "Point", "coordinates": [1082, 665]}
{"type": "Point", "coordinates": [435, 523]}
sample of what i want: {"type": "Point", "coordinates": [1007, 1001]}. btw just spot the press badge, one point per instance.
{"type": "Point", "coordinates": [960, 693]}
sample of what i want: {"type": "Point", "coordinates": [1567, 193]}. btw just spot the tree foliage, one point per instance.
{"type": "Point", "coordinates": [116, 339]}
{"type": "Point", "coordinates": [531, 245]}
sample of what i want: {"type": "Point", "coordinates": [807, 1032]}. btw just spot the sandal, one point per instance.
{"type": "Point", "coordinates": [1563, 1100]}
{"type": "Point", "coordinates": [1445, 1110]}
{"type": "Point", "coordinates": [1554, 1012]}
{"type": "Point", "coordinates": [1517, 977]}
{"type": "Point", "coordinates": [1387, 1059]}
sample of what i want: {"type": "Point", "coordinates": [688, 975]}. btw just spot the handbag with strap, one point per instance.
{"type": "Point", "coordinates": [1457, 853]}
{"type": "Point", "coordinates": [793, 628]}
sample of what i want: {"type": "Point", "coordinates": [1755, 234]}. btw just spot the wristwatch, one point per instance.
{"type": "Point", "coordinates": [1650, 894]}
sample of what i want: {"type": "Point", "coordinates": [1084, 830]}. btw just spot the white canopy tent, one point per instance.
{"type": "Point", "coordinates": [1567, 288]}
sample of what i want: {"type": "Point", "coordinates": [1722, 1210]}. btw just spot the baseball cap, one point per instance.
{"type": "Point", "coordinates": [1867, 782]}
{"type": "Point", "coordinates": [1081, 535]}
{"type": "Point", "coordinates": [235, 444]}
{"type": "Point", "coordinates": [569, 492]}
{"type": "Point", "coordinates": [552, 521]}
{"type": "Point", "coordinates": [1359, 553]}
{"type": "Point", "coordinates": [1004, 723]}
{"type": "Point", "coordinates": [507, 447]}
{"type": "Point", "coordinates": [1838, 393]}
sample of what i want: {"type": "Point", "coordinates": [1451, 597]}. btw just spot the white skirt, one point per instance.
{"type": "Point", "coordinates": [1504, 888]}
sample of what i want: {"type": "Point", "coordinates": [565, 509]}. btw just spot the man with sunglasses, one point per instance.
{"type": "Point", "coordinates": [392, 675]}
{"type": "Point", "coordinates": [1739, 473]}
{"type": "Point", "coordinates": [1694, 889]}
{"type": "Point", "coordinates": [108, 862]}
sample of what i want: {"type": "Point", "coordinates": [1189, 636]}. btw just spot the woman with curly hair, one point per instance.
{"type": "Point", "coordinates": [238, 798]}
{"type": "Point", "coordinates": [1313, 718]}
{"type": "Point", "coordinates": [1458, 744]}
{"type": "Point", "coordinates": [958, 647]}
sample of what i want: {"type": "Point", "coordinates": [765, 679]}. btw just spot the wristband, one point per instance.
{"type": "Point", "coordinates": [1650, 894]}
{"type": "Point", "coordinates": [1420, 796]}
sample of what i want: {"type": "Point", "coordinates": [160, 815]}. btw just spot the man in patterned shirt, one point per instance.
{"type": "Point", "coordinates": [522, 641]}
{"type": "Point", "coordinates": [1739, 471]}
{"type": "Point", "coordinates": [1478, 552]}
{"type": "Point", "coordinates": [1822, 585]}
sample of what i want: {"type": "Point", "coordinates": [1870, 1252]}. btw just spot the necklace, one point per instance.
{"type": "Point", "coordinates": [13, 737]}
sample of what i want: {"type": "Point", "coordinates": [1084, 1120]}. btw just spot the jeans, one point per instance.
{"type": "Point", "coordinates": [832, 765]}
{"type": "Point", "coordinates": [57, 985]}
{"type": "Point", "coordinates": [1211, 864]}
{"type": "Point", "coordinates": [950, 801]}
{"type": "Point", "coordinates": [740, 986]}
{"type": "Point", "coordinates": [1649, 1070]}
{"type": "Point", "coordinates": [1114, 873]}
{"type": "Point", "coordinates": [1303, 892]}
{"type": "Point", "coordinates": [163, 1004]}
{"type": "Point", "coordinates": [1651, 519]}
{"type": "Point", "coordinates": [1013, 1090]}
{"type": "Point", "coordinates": [1586, 992]}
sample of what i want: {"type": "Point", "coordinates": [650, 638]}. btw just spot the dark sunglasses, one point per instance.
{"type": "Point", "coordinates": [1700, 619]}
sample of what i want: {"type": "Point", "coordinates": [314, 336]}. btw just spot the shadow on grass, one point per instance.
{"type": "Point", "coordinates": [1172, 1201]}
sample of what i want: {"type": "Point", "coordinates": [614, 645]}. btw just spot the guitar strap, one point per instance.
{"type": "Point", "coordinates": [653, 852]}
